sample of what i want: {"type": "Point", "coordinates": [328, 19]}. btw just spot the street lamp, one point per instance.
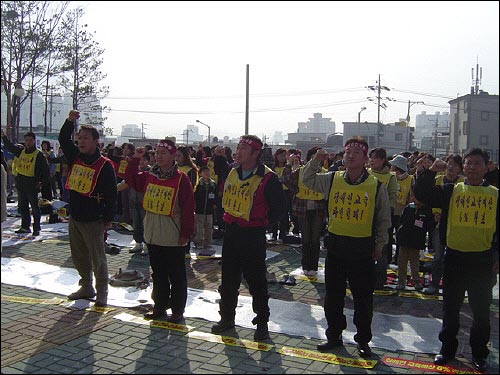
{"type": "Point", "coordinates": [359, 114]}
{"type": "Point", "coordinates": [208, 126]}
{"type": "Point", "coordinates": [410, 104]}
{"type": "Point", "coordinates": [15, 104]}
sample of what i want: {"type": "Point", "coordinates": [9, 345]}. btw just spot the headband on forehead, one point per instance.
{"type": "Point", "coordinates": [163, 143]}
{"type": "Point", "coordinates": [362, 146]}
{"type": "Point", "coordinates": [256, 145]}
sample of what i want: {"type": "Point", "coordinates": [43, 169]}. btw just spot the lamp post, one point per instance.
{"type": "Point", "coordinates": [14, 110]}
{"type": "Point", "coordinates": [410, 104]}
{"type": "Point", "coordinates": [208, 126]}
{"type": "Point", "coordinates": [359, 114]}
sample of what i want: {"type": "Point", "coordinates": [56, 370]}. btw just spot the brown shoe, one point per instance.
{"type": "Point", "coordinates": [175, 318]}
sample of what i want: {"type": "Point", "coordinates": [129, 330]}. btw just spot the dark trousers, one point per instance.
{"type": "Point", "coordinates": [349, 259]}
{"type": "Point", "coordinates": [312, 226]}
{"type": "Point", "coordinates": [284, 224]}
{"type": "Point", "coordinates": [25, 200]}
{"type": "Point", "coordinates": [437, 263]}
{"type": "Point", "coordinates": [469, 272]}
{"type": "Point", "coordinates": [169, 277]}
{"type": "Point", "coordinates": [244, 252]}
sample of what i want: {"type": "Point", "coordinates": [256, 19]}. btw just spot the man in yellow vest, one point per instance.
{"type": "Point", "coordinates": [359, 218]}
{"type": "Point", "coordinates": [92, 189]}
{"type": "Point", "coordinates": [252, 199]}
{"type": "Point", "coordinates": [471, 253]}
{"type": "Point", "coordinates": [32, 175]}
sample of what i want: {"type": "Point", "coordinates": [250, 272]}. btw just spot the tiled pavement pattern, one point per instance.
{"type": "Point", "coordinates": [49, 338]}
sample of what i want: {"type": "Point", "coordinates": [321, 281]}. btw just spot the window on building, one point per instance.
{"type": "Point", "coordinates": [485, 116]}
{"type": "Point", "coordinates": [466, 106]}
{"type": "Point", "coordinates": [483, 140]}
{"type": "Point", "coordinates": [398, 136]}
{"type": "Point", "coordinates": [465, 128]}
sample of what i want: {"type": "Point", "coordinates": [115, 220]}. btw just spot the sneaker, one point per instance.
{"type": "Point", "coordinates": [400, 287]}
{"type": "Point", "coordinates": [261, 333]}
{"type": "Point", "coordinates": [85, 292]}
{"type": "Point", "coordinates": [305, 272]}
{"type": "Point", "coordinates": [312, 273]}
{"type": "Point", "coordinates": [36, 233]}
{"type": "Point", "coordinates": [137, 248]}
{"type": "Point", "coordinates": [431, 290]}
{"type": "Point", "coordinates": [23, 231]}
{"type": "Point", "coordinates": [418, 287]}
{"type": "Point", "coordinates": [222, 325]}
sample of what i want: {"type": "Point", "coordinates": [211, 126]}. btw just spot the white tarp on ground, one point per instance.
{"type": "Point", "coordinates": [391, 332]}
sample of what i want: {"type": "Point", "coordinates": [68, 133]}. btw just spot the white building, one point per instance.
{"type": "Point", "coordinates": [131, 131]}
{"type": "Point", "coordinates": [317, 128]}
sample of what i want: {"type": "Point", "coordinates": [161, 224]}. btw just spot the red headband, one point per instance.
{"type": "Point", "coordinates": [252, 143]}
{"type": "Point", "coordinates": [362, 146]}
{"type": "Point", "coordinates": [167, 145]}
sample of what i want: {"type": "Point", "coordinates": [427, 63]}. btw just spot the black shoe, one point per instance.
{"type": "Point", "coordinates": [222, 326]}
{"type": "Point", "coordinates": [261, 333]}
{"type": "Point", "coordinates": [155, 314]}
{"type": "Point", "coordinates": [23, 231]}
{"type": "Point", "coordinates": [479, 364]}
{"type": "Point", "coordinates": [36, 233]}
{"type": "Point", "coordinates": [442, 359]}
{"type": "Point", "coordinates": [330, 344]}
{"type": "Point", "coordinates": [364, 350]}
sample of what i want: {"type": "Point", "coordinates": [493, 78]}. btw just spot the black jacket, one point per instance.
{"type": "Point", "coordinates": [42, 172]}
{"type": "Point", "coordinates": [204, 197]}
{"type": "Point", "coordinates": [102, 203]}
{"type": "Point", "coordinates": [413, 226]}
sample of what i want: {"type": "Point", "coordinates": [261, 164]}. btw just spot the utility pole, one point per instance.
{"type": "Point", "coordinates": [51, 99]}
{"type": "Point", "coordinates": [378, 88]}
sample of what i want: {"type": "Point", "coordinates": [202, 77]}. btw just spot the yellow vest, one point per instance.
{"type": "Point", "coordinates": [439, 180]}
{"type": "Point", "coordinates": [26, 163]}
{"type": "Point", "coordinates": [210, 165]}
{"type": "Point", "coordinates": [351, 207]}
{"type": "Point", "coordinates": [159, 197]}
{"type": "Point", "coordinates": [237, 199]}
{"type": "Point", "coordinates": [306, 193]}
{"type": "Point", "coordinates": [472, 217]}
{"type": "Point", "coordinates": [186, 169]}
{"type": "Point", "coordinates": [279, 172]}
{"type": "Point", "coordinates": [122, 167]}
{"type": "Point", "coordinates": [13, 167]}
{"type": "Point", "coordinates": [404, 187]}
{"type": "Point", "coordinates": [384, 178]}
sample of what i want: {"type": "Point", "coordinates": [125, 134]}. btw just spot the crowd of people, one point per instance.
{"type": "Point", "coordinates": [370, 209]}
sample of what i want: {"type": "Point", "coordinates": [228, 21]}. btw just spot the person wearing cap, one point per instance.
{"type": "Point", "coordinates": [380, 168]}
{"type": "Point", "coordinates": [471, 253]}
{"type": "Point", "coordinates": [253, 198]}
{"type": "Point", "coordinates": [359, 219]}
{"type": "Point", "coordinates": [92, 190]}
{"type": "Point", "coordinates": [168, 225]}
{"type": "Point", "coordinates": [399, 166]}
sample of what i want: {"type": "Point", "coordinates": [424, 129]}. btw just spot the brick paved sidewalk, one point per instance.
{"type": "Point", "coordinates": [48, 338]}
